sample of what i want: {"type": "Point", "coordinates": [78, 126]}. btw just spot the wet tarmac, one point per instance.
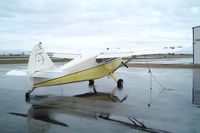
{"type": "Point", "coordinates": [55, 109]}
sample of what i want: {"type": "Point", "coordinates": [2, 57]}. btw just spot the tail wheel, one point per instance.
{"type": "Point", "coordinates": [27, 96]}
{"type": "Point", "coordinates": [120, 83]}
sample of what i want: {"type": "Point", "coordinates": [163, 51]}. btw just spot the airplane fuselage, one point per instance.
{"type": "Point", "coordinates": [82, 69]}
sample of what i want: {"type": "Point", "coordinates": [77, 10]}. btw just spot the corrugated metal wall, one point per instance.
{"type": "Point", "coordinates": [196, 60]}
{"type": "Point", "coordinates": [196, 44]}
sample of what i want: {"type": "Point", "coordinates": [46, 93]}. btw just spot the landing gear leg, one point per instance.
{"type": "Point", "coordinates": [119, 82]}
{"type": "Point", "coordinates": [91, 84]}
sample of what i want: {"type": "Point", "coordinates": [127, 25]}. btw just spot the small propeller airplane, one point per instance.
{"type": "Point", "coordinates": [42, 72]}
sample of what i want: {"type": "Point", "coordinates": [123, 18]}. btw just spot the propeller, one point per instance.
{"type": "Point", "coordinates": [124, 64]}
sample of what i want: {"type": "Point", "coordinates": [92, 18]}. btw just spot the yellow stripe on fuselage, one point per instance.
{"type": "Point", "coordinates": [88, 74]}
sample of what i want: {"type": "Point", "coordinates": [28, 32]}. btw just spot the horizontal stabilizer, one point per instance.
{"type": "Point", "coordinates": [39, 74]}
{"type": "Point", "coordinates": [16, 72]}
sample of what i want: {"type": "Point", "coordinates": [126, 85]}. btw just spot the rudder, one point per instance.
{"type": "Point", "coordinates": [38, 60]}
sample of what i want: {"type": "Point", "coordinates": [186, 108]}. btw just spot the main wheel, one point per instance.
{"type": "Point", "coordinates": [91, 83]}
{"type": "Point", "coordinates": [120, 83]}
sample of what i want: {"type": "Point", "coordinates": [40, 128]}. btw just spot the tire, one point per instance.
{"type": "Point", "coordinates": [91, 83]}
{"type": "Point", "coordinates": [120, 83]}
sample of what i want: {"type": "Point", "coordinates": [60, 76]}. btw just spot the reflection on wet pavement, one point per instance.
{"type": "Point", "coordinates": [93, 106]}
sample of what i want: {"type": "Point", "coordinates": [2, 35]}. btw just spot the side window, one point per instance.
{"type": "Point", "coordinates": [104, 60]}
{"type": "Point", "coordinates": [99, 60]}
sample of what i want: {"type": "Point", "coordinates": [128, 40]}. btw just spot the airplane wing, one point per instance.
{"type": "Point", "coordinates": [137, 52]}
{"type": "Point", "coordinates": [17, 72]}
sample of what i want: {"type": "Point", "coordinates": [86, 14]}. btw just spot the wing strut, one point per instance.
{"type": "Point", "coordinates": [113, 77]}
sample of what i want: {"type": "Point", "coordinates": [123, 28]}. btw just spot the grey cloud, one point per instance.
{"type": "Point", "coordinates": [127, 21]}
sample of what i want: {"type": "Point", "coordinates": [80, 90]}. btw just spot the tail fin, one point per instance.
{"type": "Point", "coordinates": [38, 60]}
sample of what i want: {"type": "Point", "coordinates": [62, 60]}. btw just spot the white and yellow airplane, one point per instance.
{"type": "Point", "coordinates": [42, 72]}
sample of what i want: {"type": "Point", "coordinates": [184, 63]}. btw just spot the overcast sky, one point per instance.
{"type": "Point", "coordinates": [86, 24]}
